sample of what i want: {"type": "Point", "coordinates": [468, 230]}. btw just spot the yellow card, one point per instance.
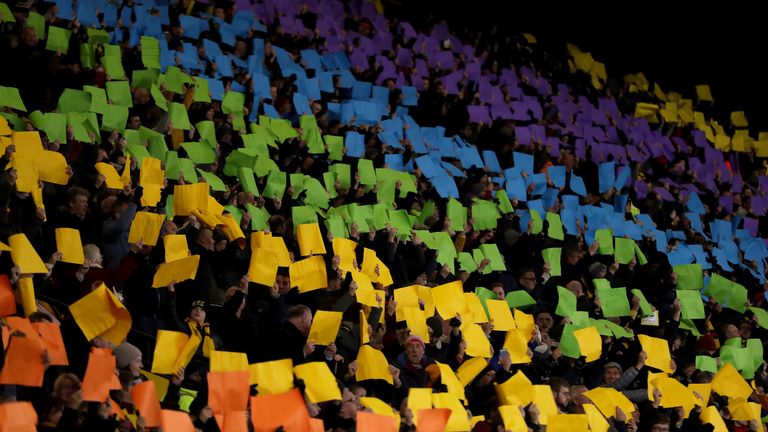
{"type": "Point", "coordinates": [69, 244]}
{"type": "Point", "coordinates": [325, 326]}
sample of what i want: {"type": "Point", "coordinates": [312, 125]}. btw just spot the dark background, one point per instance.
{"type": "Point", "coordinates": [722, 44]}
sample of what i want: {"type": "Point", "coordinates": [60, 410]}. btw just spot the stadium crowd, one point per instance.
{"type": "Point", "coordinates": [304, 215]}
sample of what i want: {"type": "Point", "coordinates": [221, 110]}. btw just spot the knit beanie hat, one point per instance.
{"type": "Point", "coordinates": [125, 354]}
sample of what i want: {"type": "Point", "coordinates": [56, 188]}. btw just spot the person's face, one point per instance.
{"type": "Point", "coordinates": [660, 427]}
{"type": "Point", "coordinates": [283, 284]}
{"type": "Point", "coordinates": [611, 375]}
{"type": "Point", "coordinates": [197, 314]}
{"type": "Point", "coordinates": [575, 287]}
{"type": "Point", "coordinates": [359, 392]}
{"type": "Point", "coordinates": [499, 291]}
{"type": "Point", "coordinates": [731, 331]}
{"type": "Point", "coordinates": [414, 351]}
{"type": "Point", "coordinates": [205, 239]}
{"type": "Point", "coordinates": [348, 404]}
{"type": "Point", "coordinates": [544, 321]}
{"type": "Point", "coordinates": [562, 397]}
{"type": "Point", "coordinates": [528, 281]}
{"type": "Point", "coordinates": [135, 367]}
{"type": "Point", "coordinates": [573, 258]}
{"type": "Point", "coordinates": [67, 388]}
{"type": "Point", "coordinates": [29, 36]}
{"type": "Point", "coordinates": [306, 323]}
{"type": "Point", "coordinates": [135, 122]}
{"type": "Point", "coordinates": [745, 330]}
{"type": "Point", "coordinates": [79, 205]}
{"type": "Point", "coordinates": [240, 49]}
{"type": "Point", "coordinates": [487, 378]}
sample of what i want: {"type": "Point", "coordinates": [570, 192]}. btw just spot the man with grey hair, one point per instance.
{"type": "Point", "coordinates": [615, 377]}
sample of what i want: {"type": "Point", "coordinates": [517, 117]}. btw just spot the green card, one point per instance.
{"type": "Point", "coordinates": [552, 256]}
{"type": "Point", "coordinates": [645, 307]}
{"type": "Point", "coordinates": [119, 92]}
{"type": "Point", "coordinates": [399, 219]}
{"type": "Point", "coordinates": [614, 302]}
{"type": "Point", "coordinates": [275, 187]}
{"type": "Point", "coordinates": [706, 364]}
{"type": "Point", "coordinates": [519, 299]}
{"type": "Point", "coordinates": [138, 152]}
{"type": "Point", "coordinates": [187, 169]}
{"type": "Point", "coordinates": [727, 293]}
{"type": "Point", "coordinates": [491, 251]}
{"type": "Point", "coordinates": [74, 101]}
{"type": "Point", "coordinates": [624, 250]}
{"type": "Point", "coordinates": [282, 129]}
{"type": "Point", "coordinates": [485, 294]}
{"type": "Point", "coordinates": [263, 165]}
{"type": "Point", "coordinates": [10, 97]}
{"type": "Point", "coordinates": [157, 147]}
{"type": "Point", "coordinates": [762, 316]}
{"type": "Point", "coordinates": [207, 131]}
{"type": "Point", "coordinates": [37, 22]}
{"type": "Point", "coordinates": [303, 215]}
{"type": "Point", "coordinates": [98, 99]}
{"type": "Point", "coordinates": [601, 283]}
{"type": "Point", "coordinates": [641, 259]}
{"type": "Point", "coordinates": [689, 277]}
{"type": "Point", "coordinates": [144, 78]}
{"type": "Point", "coordinates": [691, 304]}
{"type": "Point", "coordinates": [554, 226]}
{"type": "Point", "coordinates": [58, 39]}
{"type": "Point", "coordinates": [466, 262]}
{"type": "Point", "coordinates": [569, 346]}
{"type": "Point", "coordinates": [233, 103]}
{"type": "Point", "coordinates": [114, 118]}
{"type": "Point", "coordinates": [179, 117]}
{"type": "Point", "coordinates": [202, 92]}
{"type": "Point", "coordinates": [98, 36]}
{"type": "Point", "coordinates": [159, 98]}
{"type": "Point", "coordinates": [427, 211]}
{"type": "Point", "coordinates": [566, 303]}
{"type": "Point", "coordinates": [335, 147]}
{"type": "Point", "coordinates": [247, 180]}
{"type": "Point", "coordinates": [337, 227]}
{"type": "Point", "coordinates": [317, 196]}
{"type": "Point", "coordinates": [88, 56]}
{"type": "Point", "coordinates": [259, 217]}
{"type": "Point", "coordinates": [457, 213]}
{"type": "Point", "coordinates": [77, 121]}
{"type": "Point", "coordinates": [113, 66]}
{"type": "Point", "coordinates": [505, 205]}
{"type": "Point", "coordinates": [172, 167]}
{"type": "Point", "coordinates": [366, 171]}
{"type": "Point", "coordinates": [330, 184]}
{"type": "Point", "coordinates": [174, 80]}
{"type": "Point", "coordinates": [478, 256]}
{"type": "Point", "coordinates": [538, 224]}
{"type": "Point", "coordinates": [617, 330]}
{"type": "Point", "coordinates": [236, 213]}
{"type": "Point", "coordinates": [342, 173]}
{"type": "Point", "coordinates": [360, 215]}
{"type": "Point", "coordinates": [263, 135]}
{"type": "Point", "coordinates": [56, 127]}
{"type": "Point", "coordinates": [485, 214]}
{"type": "Point", "coordinates": [6, 15]}
{"type": "Point", "coordinates": [200, 152]}
{"type": "Point", "coordinates": [213, 181]}
{"type": "Point", "coordinates": [150, 52]}
{"type": "Point", "coordinates": [604, 237]}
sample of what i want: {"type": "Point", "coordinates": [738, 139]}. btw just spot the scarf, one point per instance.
{"type": "Point", "coordinates": [204, 333]}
